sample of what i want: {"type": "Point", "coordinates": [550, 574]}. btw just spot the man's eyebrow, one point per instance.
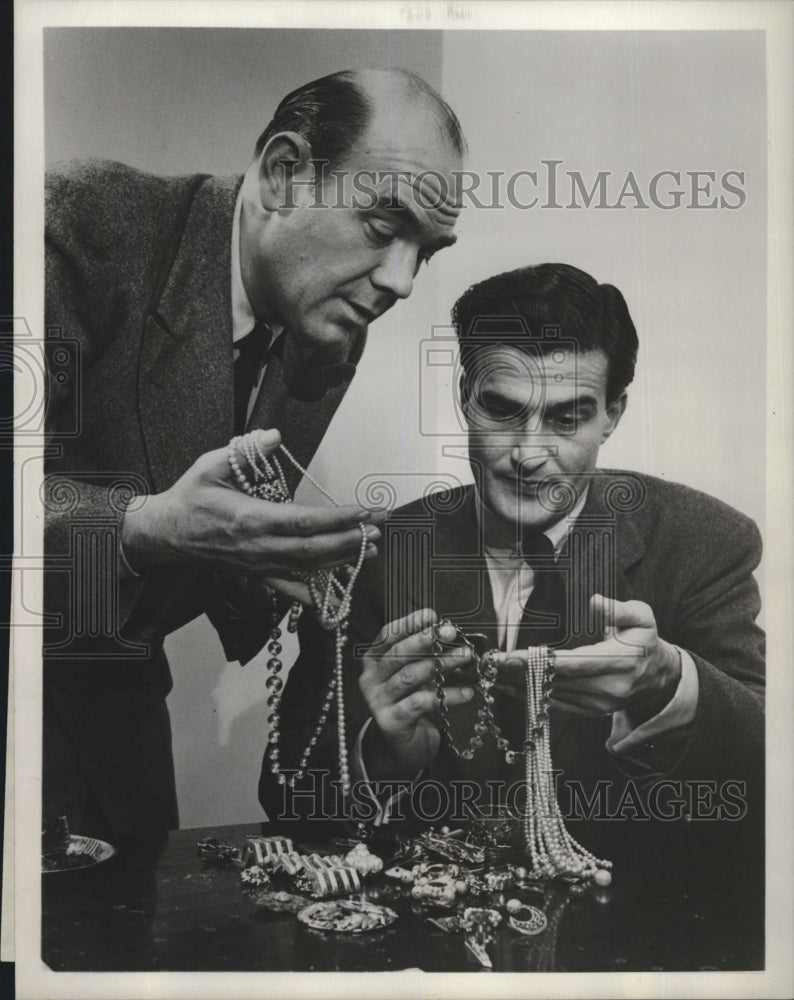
{"type": "Point", "coordinates": [491, 394]}
{"type": "Point", "coordinates": [388, 202]}
{"type": "Point", "coordinates": [566, 404]}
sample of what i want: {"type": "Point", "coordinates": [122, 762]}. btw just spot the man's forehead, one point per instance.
{"type": "Point", "coordinates": [511, 370]}
{"type": "Point", "coordinates": [409, 156]}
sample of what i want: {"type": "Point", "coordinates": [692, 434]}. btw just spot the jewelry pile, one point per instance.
{"type": "Point", "coordinates": [330, 595]}
{"type": "Point", "coordinates": [348, 893]}
{"type": "Point", "coordinates": [552, 849]}
{"type": "Point", "coordinates": [269, 862]}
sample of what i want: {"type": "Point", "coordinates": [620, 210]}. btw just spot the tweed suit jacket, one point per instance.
{"type": "Point", "coordinates": [138, 287]}
{"type": "Point", "coordinates": [687, 555]}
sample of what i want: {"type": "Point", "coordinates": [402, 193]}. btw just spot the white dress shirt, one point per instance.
{"type": "Point", "coordinates": [243, 319]}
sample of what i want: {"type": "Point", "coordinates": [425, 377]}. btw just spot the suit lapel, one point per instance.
{"type": "Point", "coordinates": [460, 586]}
{"type": "Point", "coordinates": [604, 542]}
{"type": "Point", "coordinates": [186, 386]}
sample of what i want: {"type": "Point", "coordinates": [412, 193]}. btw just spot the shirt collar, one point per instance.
{"type": "Point", "coordinates": [243, 318]}
{"type": "Point", "coordinates": [556, 533]}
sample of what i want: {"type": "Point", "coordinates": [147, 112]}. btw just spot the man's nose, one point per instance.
{"type": "Point", "coordinates": [530, 453]}
{"type": "Point", "coordinates": [395, 270]}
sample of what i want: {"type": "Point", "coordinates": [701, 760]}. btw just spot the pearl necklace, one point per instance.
{"type": "Point", "coordinates": [549, 844]}
{"type": "Point", "coordinates": [331, 599]}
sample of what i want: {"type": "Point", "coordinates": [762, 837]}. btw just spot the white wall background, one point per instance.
{"type": "Point", "coordinates": [176, 101]}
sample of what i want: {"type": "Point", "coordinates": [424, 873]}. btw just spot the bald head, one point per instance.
{"type": "Point", "coordinates": [398, 89]}
{"type": "Point", "coordinates": [333, 112]}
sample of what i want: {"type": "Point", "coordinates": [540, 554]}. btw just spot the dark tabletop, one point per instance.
{"type": "Point", "coordinates": [159, 907]}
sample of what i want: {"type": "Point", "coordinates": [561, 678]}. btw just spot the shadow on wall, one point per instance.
{"type": "Point", "coordinates": [225, 710]}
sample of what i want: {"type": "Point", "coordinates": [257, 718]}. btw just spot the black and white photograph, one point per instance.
{"type": "Point", "coordinates": [402, 501]}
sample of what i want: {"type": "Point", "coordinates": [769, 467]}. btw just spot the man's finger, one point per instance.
{"type": "Point", "coordinates": [293, 589]}
{"type": "Point", "coordinates": [264, 442]}
{"type": "Point", "coordinates": [515, 691]}
{"type": "Point", "coordinates": [611, 656]}
{"type": "Point", "coordinates": [421, 703]}
{"type": "Point", "coordinates": [415, 647]}
{"type": "Point", "coordinates": [597, 692]}
{"type": "Point", "coordinates": [319, 551]}
{"type": "Point", "coordinates": [586, 661]}
{"type": "Point", "coordinates": [303, 521]}
{"type": "Point", "coordinates": [457, 695]}
{"type": "Point", "coordinates": [400, 628]}
{"type": "Point", "coordinates": [417, 673]}
{"type": "Point", "coordinates": [216, 463]}
{"type": "Point", "coordinates": [407, 679]}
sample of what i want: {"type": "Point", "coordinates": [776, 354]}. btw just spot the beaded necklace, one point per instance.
{"type": "Point", "coordinates": [331, 599]}
{"type": "Point", "coordinates": [486, 678]}
{"type": "Point", "coordinates": [548, 843]}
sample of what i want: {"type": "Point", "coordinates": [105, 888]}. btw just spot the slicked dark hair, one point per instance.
{"type": "Point", "coordinates": [532, 308]}
{"type": "Point", "coordinates": [333, 112]}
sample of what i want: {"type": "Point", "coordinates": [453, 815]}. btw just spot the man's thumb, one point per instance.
{"type": "Point", "coordinates": [613, 615]}
{"type": "Point", "coordinates": [236, 459]}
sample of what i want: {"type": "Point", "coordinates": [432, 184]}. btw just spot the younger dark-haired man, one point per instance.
{"type": "Point", "coordinates": [642, 588]}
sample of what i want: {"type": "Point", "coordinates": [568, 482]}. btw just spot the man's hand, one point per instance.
{"type": "Point", "coordinates": [397, 682]}
{"type": "Point", "coordinates": [204, 518]}
{"type": "Point", "coordinates": [632, 669]}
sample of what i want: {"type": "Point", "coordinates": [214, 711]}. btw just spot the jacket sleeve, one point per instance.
{"type": "Point", "coordinates": [109, 242]}
{"type": "Point", "coordinates": [80, 310]}
{"type": "Point", "coordinates": [716, 623]}
{"type": "Point", "coordinates": [707, 604]}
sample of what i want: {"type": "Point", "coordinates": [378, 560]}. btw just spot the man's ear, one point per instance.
{"type": "Point", "coordinates": [284, 164]}
{"type": "Point", "coordinates": [615, 411]}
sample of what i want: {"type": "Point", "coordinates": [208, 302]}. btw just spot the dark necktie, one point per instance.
{"type": "Point", "coordinates": [543, 623]}
{"type": "Point", "coordinates": [545, 617]}
{"type": "Point", "coordinates": [252, 350]}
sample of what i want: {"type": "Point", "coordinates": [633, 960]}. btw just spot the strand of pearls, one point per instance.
{"type": "Point", "coordinates": [331, 599]}
{"type": "Point", "coordinates": [550, 846]}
